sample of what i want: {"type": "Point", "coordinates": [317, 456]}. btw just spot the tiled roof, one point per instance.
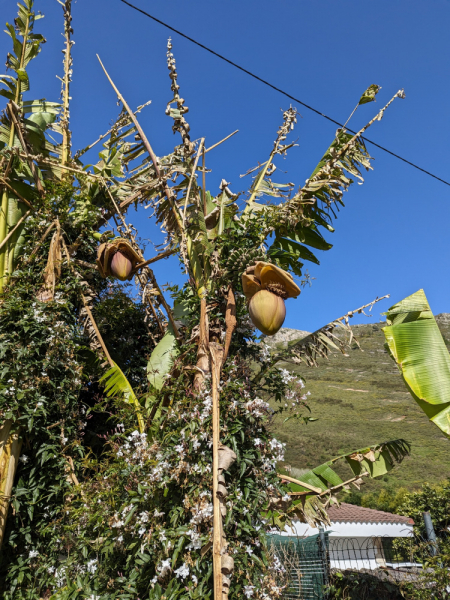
{"type": "Point", "coordinates": [349, 513]}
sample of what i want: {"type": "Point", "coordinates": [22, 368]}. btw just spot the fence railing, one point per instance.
{"type": "Point", "coordinates": [306, 564]}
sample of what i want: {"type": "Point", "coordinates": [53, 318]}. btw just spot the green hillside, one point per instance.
{"type": "Point", "coordinates": [361, 400]}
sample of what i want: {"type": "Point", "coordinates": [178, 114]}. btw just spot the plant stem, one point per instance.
{"type": "Point", "coordinates": [17, 225]}
{"type": "Point", "coordinates": [221, 141]}
{"type": "Point", "coordinates": [160, 256]}
{"type": "Point", "coordinates": [204, 183]}
{"type": "Point", "coordinates": [149, 150]}
{"type": "Point", "coordinates": [65, 120]}
{"type": "Point", "coordinates": [197, 156]}
{"type": "Point", "coordinates": [12, 111]}
{"type": "Point", "coordinates": [4, 206]}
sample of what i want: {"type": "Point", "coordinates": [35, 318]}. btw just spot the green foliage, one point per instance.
{"type": "Point", "coordinates": [100, 510]}
{"type": "Point", "coordinates": [116, 384]}
{"type": "Point", "coordinates": [161, 360]}
{"type": "Point", "coordinates": [121, 321]}
{"type": "Point", "coordinates": [416, 345]}
{"type": "Point", "coordinates": [434, 499]}
{"type": "Point", "coordinates": [387, 499]}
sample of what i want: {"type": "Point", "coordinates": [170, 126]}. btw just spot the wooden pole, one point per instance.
{"type": "Point", "coordinates": [217, 530]}
{"type": "Point", "coordinates": [10, 445]}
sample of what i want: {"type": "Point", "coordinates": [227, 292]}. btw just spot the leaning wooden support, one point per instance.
{"type": "Point", "coordinates": [216, 361]}
{"type": "Point", "coordinates": [10, 445]}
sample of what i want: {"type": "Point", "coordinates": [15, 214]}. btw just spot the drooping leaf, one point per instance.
{"type": "Point", "coordinates": [370, 462]}
{"type": "Point", "coordinates": [416, 345]}
{"type": "Point", "coordinates": [116, 384]}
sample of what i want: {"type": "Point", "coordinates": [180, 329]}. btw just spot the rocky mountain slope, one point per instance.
{"type": "Point", "coordinates": [361, 400]}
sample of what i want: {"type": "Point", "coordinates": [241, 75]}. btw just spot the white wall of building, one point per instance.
{"type": "Point", "coordinates": [353, 530]}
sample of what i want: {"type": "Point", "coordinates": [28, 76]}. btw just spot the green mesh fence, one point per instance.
{"type": "Point", "coordinates": [306, 564]}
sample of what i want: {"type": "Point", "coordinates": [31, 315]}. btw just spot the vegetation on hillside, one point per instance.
{"type": "Point", "coordinates": [362, 398]}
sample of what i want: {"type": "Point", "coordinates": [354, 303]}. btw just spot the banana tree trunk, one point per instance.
{"type": "Point", "coordinates": [10, 445]}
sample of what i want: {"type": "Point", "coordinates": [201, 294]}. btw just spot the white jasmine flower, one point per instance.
{"type": "Point", "coordinates": [183, 571]}
{"type": "Point", "coordinates": [164, 567]}
{"type": "Point", "coordinates": [92, 566]}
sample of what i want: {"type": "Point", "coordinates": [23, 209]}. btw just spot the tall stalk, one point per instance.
{"type": "Point", "coordinates": [66, 80]}
{"type": "Point", "coordinates": [5, 196]}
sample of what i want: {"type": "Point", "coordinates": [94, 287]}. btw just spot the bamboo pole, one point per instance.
{"type": "Point", "coordinates": [217, 518]}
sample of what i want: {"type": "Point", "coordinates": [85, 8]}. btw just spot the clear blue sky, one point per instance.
{"type": "Point", "coordinates": [393, 235]}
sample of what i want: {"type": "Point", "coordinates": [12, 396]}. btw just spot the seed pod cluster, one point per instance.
{"type": "Point", "coordinates": [240, 259]}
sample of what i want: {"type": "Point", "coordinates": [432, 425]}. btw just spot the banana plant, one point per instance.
{"type": "Point", "coordinates": [416, 345]}
{"type": "Point", "coordinates": [201, 227]}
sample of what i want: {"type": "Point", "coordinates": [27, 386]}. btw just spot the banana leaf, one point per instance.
{"type": "Point", "coordinates": [416, 344]}
{"type": "Point", "coordinates": [323, 482]}
{"type": "Point", "coordinates": [161, 360]}
{"type": "Point", "coordinates": [116, 384]}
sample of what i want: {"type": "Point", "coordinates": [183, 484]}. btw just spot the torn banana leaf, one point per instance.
{"type": "Point", "coordinates": [417, 346]}
{"type": "Point", "coordinates": [309, 505]}
{"type": "Point", "coordinates": [116, 384]}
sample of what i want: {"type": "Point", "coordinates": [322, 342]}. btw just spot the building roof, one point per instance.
{"type": "Point", "coordinates": [350, 513]}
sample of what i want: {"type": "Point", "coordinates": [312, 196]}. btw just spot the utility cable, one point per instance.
{"type": "Point", "coordinates": [277, 89]}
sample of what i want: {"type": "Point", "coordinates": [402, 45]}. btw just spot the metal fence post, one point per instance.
{"type": "Point", "coordinates": [324, 550]}
{"type": "Point", "coordinates": [431, 534]}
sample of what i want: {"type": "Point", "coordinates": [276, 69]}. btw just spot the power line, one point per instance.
{"type": "Point", "coordinates": [280, 90]}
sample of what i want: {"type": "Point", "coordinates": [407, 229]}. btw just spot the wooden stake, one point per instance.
{"type": "Point", "coordinates": [203, 358]}
{"type": "Point", "coordinates": [217, 530]}
{"type": "Point", "coordinates": [10, 445]}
